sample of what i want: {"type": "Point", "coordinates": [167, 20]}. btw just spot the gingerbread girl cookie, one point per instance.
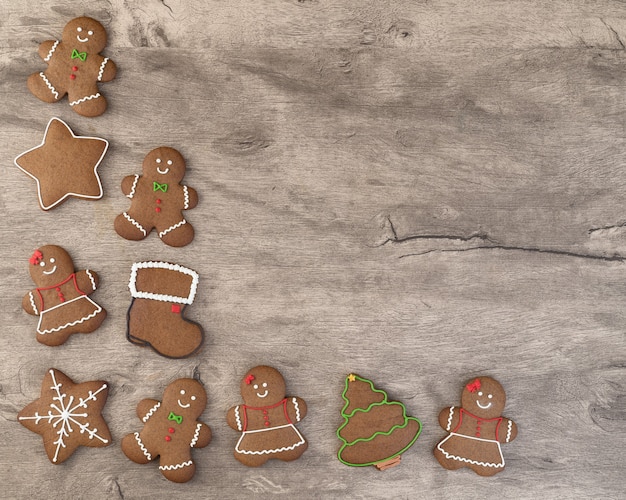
{"type": "Point", "coordinates": [266, 419]}
{"type": "Point", "coordinates": [75, 67]}
{"type": "Point", "coordinates": [171, 429]}
{"type": "Point", "coordinates": [476, 429]}
{"type": "Point", "coordinates": [158, 200]}
{"type": "Point", "coordinates": [61, 299]}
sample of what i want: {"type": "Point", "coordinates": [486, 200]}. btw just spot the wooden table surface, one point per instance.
{"type": "Point", "coordinates": [416, 191]}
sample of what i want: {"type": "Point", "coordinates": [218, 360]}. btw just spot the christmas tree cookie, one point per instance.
{"type": "Point", "coordinates": [375, 431]}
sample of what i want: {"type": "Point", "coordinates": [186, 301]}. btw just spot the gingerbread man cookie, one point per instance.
{"type": "Point", "coordinates": [61, 299]}
{"type": "Point", "coordinates": [158, 200]}
{"type": "Point", "coordinates": [75, 67]}
{"type": "Point", "coordinates": [266, 419]}
{"type": "Point", "coordinates": [476, 429]}
{"type": "Point", "coordinates": [171, 429]}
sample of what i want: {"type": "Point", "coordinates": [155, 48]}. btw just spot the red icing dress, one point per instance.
{"type": "Point", "coordinates": [63, 305]}
{"type": "Point", "coordinates": [267, 429]}
{"type": "Point", "coordinates": [475, 440]}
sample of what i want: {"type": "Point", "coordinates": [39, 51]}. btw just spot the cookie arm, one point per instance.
{"type": "Point", "coordinates": [30, 303]}
{"type": "Point", "coordinates": [296, 409]}
{"type": "Point", "coordinates": [234, 418]}
{"type": "Point", "coordinates": [190, 197]}
{"type": "Point", "coordinates": [202, 435]}
{"type": "Point", "coordinates": [45, 49]}
{"type": "Point", "coordinates": [87, 281]}
{"type": "Point", "coordinates": [107, 70]}
{"type": "Point", "coordinates": [146, 408]}
{"type": "Point", "coordinates": [129, 185]}
{"type": "Point", "coordinates": [449, 418]}
{"type": "Point", "coordinates": [507, 431]}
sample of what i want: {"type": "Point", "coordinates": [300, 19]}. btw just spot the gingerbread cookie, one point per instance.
{"type": "Point", "coordinates": [64, 165]}
{"type": "Point", "coordinates": [61, 299]}
{"type": "Point", "coordinates": [477, 428]}
{"type": "Point", "coordinates": [158, 200]}
{"type": "Point", "coordinates": [160, 293]}
{"type": "Point", "coordinates": [266, 419]}
{"type": "Point", "coordinates": [171, 428]}
{"type": "Point", "coordinates": [75, 67]}
{"type": "Point", "coordinates": [375, 431]}
{"type": "Point", "coordinates": [67, 415]}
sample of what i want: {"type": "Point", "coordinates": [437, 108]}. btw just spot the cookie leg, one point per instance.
{"type": "Point", "coordinates": [485, 471]}
{"type": "Point", "coordinates": [53, 339]}
{"type": "Point", "coordinates": [178, 473]}
{"type": "Point", "coordinates": [177, 235]}
{"type": "Point", "coordinates": [251, 460]}
{"type": "Point", "coordinates": [288, 456]}
{"type": "Point", "coordinates": [134, 448]}
{"type": "Point", "coordinates": [93, 104]}
{"type": "Point", "coordinates": [447, 463]}
{"type": "Point", "coordinates": [127, 227]}
{"type": "Point", "coordinates": [41, 87]}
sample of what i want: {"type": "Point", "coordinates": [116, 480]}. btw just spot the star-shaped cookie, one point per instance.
{"type": "Point", "coordinates": [64, 165]}
{"type": "Point", "coordinates": [67, 415]}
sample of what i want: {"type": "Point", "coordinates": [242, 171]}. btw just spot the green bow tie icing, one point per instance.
{"type": "Point", "coordinates": [159, 187]}
{"type": "Point", "coordinates": [79, 55]}
{"type": "Point", "coordinates": [173, 416]}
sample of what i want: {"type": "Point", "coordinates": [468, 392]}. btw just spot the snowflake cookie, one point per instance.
{"type": "Point", "coordinates": [67, 415]}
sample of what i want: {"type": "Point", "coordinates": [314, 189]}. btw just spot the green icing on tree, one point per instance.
{"type": "Point", "coordinates": [375, 431]}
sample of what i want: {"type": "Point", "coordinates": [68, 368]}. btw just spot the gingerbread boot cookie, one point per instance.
{"type": "Point", "coordinates": [158, 200]}
{"type": "Point", "coordinates": [171, 429]}
{"type": "Point", "coordinates": [160, 292]}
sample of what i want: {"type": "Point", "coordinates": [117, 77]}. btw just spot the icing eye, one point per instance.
{"type": "Point", "coordinates": [490, 396]}
{"type": "Point", "coordinates": [480, 393]}
{"type": "Point", "coordinates": [90, 32]}
{"type": "Point", "coordinates": [193, 398]}
{"type": "Point", "coordinates": [158, 160]}
{"type": "Point", "coordinates": [255, 387]}
{"type": "Point", "coordinates": [182, 392]}
{"type": "Point", "coordinates": [169, 162]}
{"type": "Point", "coordinates": [42, 263]}
{"type": "Point", "coordinates": [52, 260]}
{"type": "Point", "coordinates": [79, 29]}
{"type": "Point", "coordinates": [264, 384]}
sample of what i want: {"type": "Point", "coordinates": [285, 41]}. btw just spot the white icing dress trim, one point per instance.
{"type": "Point", "coordinates": [186, 193]}
{"type": "Point", "coordinates": [151, 412]}
{"type": "Point", "coordinates": [32, 302]}
{"type": "Point", "coordinates": [449, 426]}
{"type": "Point", "coordinates": [134, 187]}
{"type": "Point", "coordinates": [67, 195]}
{"type": "Point", "coordinates": [196, 435]}
{"type": "Point", "coordinates": [132, 285]}
{"type": "Point", "coordinates": [275, 450]}
{"type": "Point", "coordinates": [54, 46]}
{"type": "Point", "coordinates": [86, 98]}
{"type": "Point", "coordinates": [106, 60]}
{"type": "Point", "coordinates": [508, 431]}
{"type": "Point", "coordinates": [135, 223]}
{"type": "Point", "coordinates": [295, 404]}
{"type": "Point", "coordinates": [177, 466]}
{"type": "Point", "coordinates": [143, 448]}
{"type": "Point", "coordinates": [71, 323]}
{"type": "Point", "coordinates": [171, 228]}
{"type": "Point", "coordinates": [238, 419]}
{"type": "Point", "coordinates": [49, 85]}
{"type": "Point", "coordinates": [93, 282]}
{"type": "Point", "coordinates": [467, 460]}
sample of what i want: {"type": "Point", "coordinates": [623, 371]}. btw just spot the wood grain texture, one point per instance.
{"type": "Point", "coordinates": [416, 191]}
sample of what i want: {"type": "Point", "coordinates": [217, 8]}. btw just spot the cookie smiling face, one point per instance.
{"type": "Point", "coordinates": [164, 165]}
{"type": "Point", "coordinates": [484, 397]}
{"type": "Point", "coordinates": [186, 397]}
{"type": "Point", "coordinates": [87, 34]}
{"type": "Point", "coordinates": [49, 265]}
{"type": "Point", "coordinates": [263, 386]}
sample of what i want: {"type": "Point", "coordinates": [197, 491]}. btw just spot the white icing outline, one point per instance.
{"type": "Point", "coordinates": [50, 272]}
{"type": "Point", "coordinates": [295, 404]}
{"type": "Point", "coordinates": [158, 296]}
{"type": "Point", "coordinates": [264, 394]}
{"type": "Point", "coordinates": [143, 448]}
{"type": "Point", "coordinates": [238, 419]}
{"type": "Point", "coordinates": [186, 193]}
{"type": "Point", "coordinates": [164, 172]}
{"type": "Point", "coordinates": [508, 432]}
{"type": "Point", "coordinates": [101, 72]}
{"type": "Point", "coordinates": [449, 426]}
{"type": "Point", "coordinates": [276, 450]}
{"type": "Point", "coordinates": [483, 407]}
{"type": "Point", "coordinates": [66, 195]}
{"type": "Point", "coordinates": [182, 405]}
{"type": "Point", "coordinates": [32, 302]}
{"type": "Point", "coordinates": [151, 412]}
{"type": "Point", "coordinates": [177, 466]}
{"type": "Point", "coordinates": [49, 85]}
{"type": "Point", "coordinates": [72, 323]}
{"type": "Point", "coordinates": [135, 223]}
{"type": "Point", "coordinates": [54, 46]}
{"type": "Point", "coordinates": [86, 98]}
{"type": "Point", "coordinates": [93, 281]}
{"type": "Point", "coordinates": [467, 460]}
{"type": "Point", "coordinates": [133, 187]}
{"type": "Point", "coordinates": [196, 435]}
{"type": "Point", "coordinates": [66, 415]}
{"type": "Point", "coordinates": [171, 228]}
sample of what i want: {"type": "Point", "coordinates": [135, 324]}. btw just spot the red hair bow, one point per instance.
{"type": "Point", "coordinates": [473, 386]}
{"type": "Point", "coordinates": [36, 257]}
{"type": "Point", "coordinates": [249, 379]}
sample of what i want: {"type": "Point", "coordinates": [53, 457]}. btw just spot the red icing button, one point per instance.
{"type": "Point", "coordinates": [168, 438]}
{"type": "Point", "coordinates": [57, 289]}
{"type": "Point", "coordinates": [72, 77]}
{"type": "Point", "coordinates": [176, 308]}
{"type": "Point", "coordinates": [170, 430]}
{"type": "Point", "coordinates": [74, 68]}
{"type": "Point", "coordinates": [157, 209]}
{"type": "Point", "coordinates": [62, 299]}
{"type": "Point", "coordinates": [267, 424]}
{"type": "Point", "coordinates": [158, 201]}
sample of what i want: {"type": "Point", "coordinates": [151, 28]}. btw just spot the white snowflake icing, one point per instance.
{"type": "Point", "coordinates": [66, 413]}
